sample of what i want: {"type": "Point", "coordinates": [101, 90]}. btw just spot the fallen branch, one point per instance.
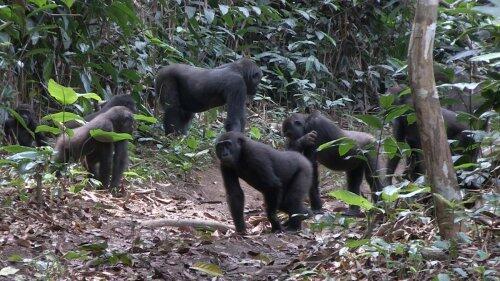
{"type": "Point", "coordinates": [185, 223]}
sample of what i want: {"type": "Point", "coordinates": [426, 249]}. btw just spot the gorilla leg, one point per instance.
{"type": "Point", "coordinates": [372, 177]}
{"type": "Point", "coordinates": [354, 180]}
{"type": "Point", "coordinates": [105, 162]}
{"type": "Point", "coordinates": [392, 164]}
{"type": "Point", "coordinates": [314, 194]}
{"type": "Point", "coordinates": [120, 161]}
{"type": "Point", "coordinates": [235, 198]}
{"type": "Point", "coordinates": [91, 161]}
{"type": "Point", "coordinates": [176, 120]}
{"type": "Point", "coordinates": [292, 202]}
{"type": "Point", "coordinates": [272, 203]}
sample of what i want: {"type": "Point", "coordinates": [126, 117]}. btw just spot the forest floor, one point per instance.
{"type": "Point", "coordinates": [69, 237]}
{"type": "Point", "coordinates": [94, 236]}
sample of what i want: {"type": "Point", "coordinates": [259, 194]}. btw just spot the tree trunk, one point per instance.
{"type": "Point", "coordinates": [437, 156]}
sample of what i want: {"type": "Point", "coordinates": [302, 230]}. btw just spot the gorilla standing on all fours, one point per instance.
{"type": "Point", "coordinates": [118, 100]}
{"type": "Point", "coordinates": [283, 177]}
{"type": "Point", "coordinates": [305, 133]}
{"type": "Point", "coordinates": [404, 132]}
{"type": "Point", "coordinates": [112, 157]}
{"type": "Point", "coordinates": [16, 133]}
{"type": "Point", "coordinates": [185, 90]}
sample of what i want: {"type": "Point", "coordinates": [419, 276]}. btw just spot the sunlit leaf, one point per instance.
{"type": "Point", "coordinates": [352, 199]}
{"type": "Point", "coordinates": [209, 268]}
{"type": "Point", "coordinates": [223, 9]}
{"type": "Point", "coordinates": [355, 243]}
{"type": "Point", "coordinates": [148, 119]}
{"type": "Point", "coordinates": [90, 96]}
{"type": "Point", "coordinates": [16, 148]}
{"type": "Point", "coordinates": [63, 116]}
{"type": "Point", "coordinates": [64, 95]}
{"type": "Point", "coordinates": [104, 136]}
{"type": "Point", "coordinates": [76, 255]}
{"type": "Point", "coordinates": [47, 129]}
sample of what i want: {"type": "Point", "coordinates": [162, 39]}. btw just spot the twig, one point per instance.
{"type": "Point", "coordinates": [184, 223]}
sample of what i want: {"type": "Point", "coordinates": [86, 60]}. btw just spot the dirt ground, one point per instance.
{"type": "Point", "coordinates": [39, 241]}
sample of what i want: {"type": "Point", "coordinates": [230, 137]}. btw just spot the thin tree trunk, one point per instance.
{"type": "Point", "coordinates": [440, 173]}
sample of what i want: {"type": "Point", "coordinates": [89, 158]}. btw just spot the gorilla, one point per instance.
{"type": "Point", "coordinates": [305, 133]}
{"type": "Point", "coordinates": [123, 100]}
{"type": "Point", "coordinates": [16, 133]}
{"type": "Point", "coordinates": [283, 177]}
{"type": "Point", "coordinates": [112, 157]}
{"type": "Point", "coordinates": [185, 90]}
{"type": "Point", "coordinates": [404, 132]}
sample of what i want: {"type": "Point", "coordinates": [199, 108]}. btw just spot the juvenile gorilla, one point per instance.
{"type": "Point", "coordinates": [112, 157]}
{"type": "Point", "coordinates": [404, 132]}
{"type": "Point", "coordinates": [185, 90]}
{"type": "Point", "coordinates": [16, 133]}
{"type": "Point", "coordinates": [283, 177]}
{"type": "Point", "coordinates": [118, 100]}
{"type": "Point", "coordinates": [305, 133]}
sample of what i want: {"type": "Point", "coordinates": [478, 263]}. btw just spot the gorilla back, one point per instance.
{"type": "Point", "coordinates": [185, 90]}
{"type": "Point", "coordinates": [283, 177]}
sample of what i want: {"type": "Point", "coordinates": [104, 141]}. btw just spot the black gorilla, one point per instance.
{"type": "Point", "coordinates": [404, 132]}
{"type": "Point", "coordinates": [305, 133]}
{"type": "Point", "coordinates": [185, 90]}
{"type": "Point", "coordinates": [111, 157]}
{"type": "Point", "coordinates": [118, 100]}
{"type": "Point", "coordinates": [16, 133]}
{"type": "Point", "coordinates": [283, 177]}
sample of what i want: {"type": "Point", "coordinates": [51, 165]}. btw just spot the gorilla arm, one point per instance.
{"type": "Point", "coordinates": [235, 197]}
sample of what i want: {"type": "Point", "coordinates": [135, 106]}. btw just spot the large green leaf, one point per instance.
{"type": "Point", "coordinates": [64, 95]}
{"type": "Point", "coordinates": [352, 199]}
{"type": "Point", "coordinates": [104, 136]}
{"type": "Point", "coordinates": [148, 119]}
{"type": "Point", "coordinates": [63, 116]}
{"type": "Point", "coordinates": [47, 129]}
{"type": "Point", "coordinates": [90, 96]}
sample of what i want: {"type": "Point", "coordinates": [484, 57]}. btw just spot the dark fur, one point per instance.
{"type": "Point", "coordinates": [185, 90]}
{"type": "Point", "coordinates": [111, 157]}
{"type": "Point", "coordinates": [118, 100]}
{"type": "Point", "coordinates": [16, 133]}
{"type": "Point", "coordinates": [404, 132]}
{"type": "Point", "coordinates": [283, 177]}
{"type": "Point", "coordinates": [305, 133]}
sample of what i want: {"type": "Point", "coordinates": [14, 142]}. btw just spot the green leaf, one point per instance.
{"type": "Point", "coordinates": [124, 258]}
{"type": "Point", "coordinates": [8, 270]}
{"type": "Point", "coordinates": [255, 133]}
{"type": "Point", "coordinates": [47, 129]}
{"type": "Point", "coordinates": [104, 136]}
{"type": "Point", "coordinates": [76, 255]}
{"type": "Point", "coordinates": [397, 112]}
{"type": "Point", "coordinates": [411, 118]}
{"type": "Point", "coordinates": [95, 248]}
{"type": "Point", "coordinates": [244, 11]}
{"type": "Point", "coordinates": [39, 3]}
{"type": "Point", "coordinates": [346, 146]}
{"type": "Point", "coordinates": [486, 57]}
{"type": "Point", "coordinates": [15, 258]}
{"type": "Point", "coordinates": [148, 119]}
{"type": "Point", "coordinates": [352, 199]}
{"type": "Point", "coordinates": [68, 3]}
{"type": "Point", "coordinates": [370, 120]}
{"type": "Point", "coordinates": [90, 96]}
{"type": "Point", "coordinates": [17, 148]}
{"type": "Point", "coordinates": [63, 116]}
{"type": "Point", "coordinates": [209, 268]}
{"type": "Point", "coordinates": [64, 95]}
{"type": "Point", "coordinates": [390, 147]}
{"type": "Point", "coordinates": [386, 101]}
{"type": "Point", "coordinates": [355, 243]}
